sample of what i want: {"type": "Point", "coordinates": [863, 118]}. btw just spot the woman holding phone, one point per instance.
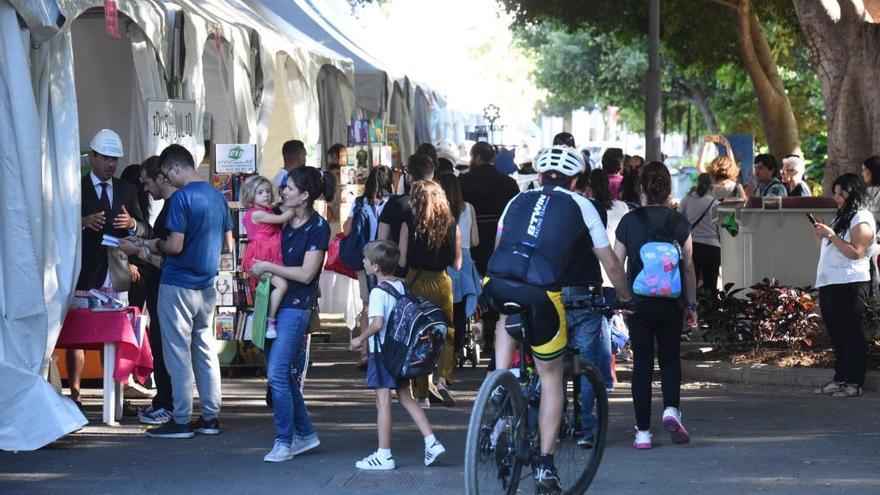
{"type": "Point", "coordinates": [843, 279]}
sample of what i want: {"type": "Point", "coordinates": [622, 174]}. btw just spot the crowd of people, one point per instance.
{"type": "Point", "coordinates": [577, 234]}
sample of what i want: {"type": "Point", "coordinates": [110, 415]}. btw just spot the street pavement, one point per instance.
{"type": "Point", "coordinates": [746, 439]}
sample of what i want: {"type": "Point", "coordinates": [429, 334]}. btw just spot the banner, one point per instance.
{"type": "Point", "coordinates": [171, 122]}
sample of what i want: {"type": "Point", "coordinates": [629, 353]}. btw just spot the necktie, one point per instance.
{"type": "Point", "coordinates": [105, 201]}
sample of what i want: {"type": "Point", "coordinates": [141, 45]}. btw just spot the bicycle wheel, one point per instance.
{"type": "Point", "coordinates": [496, 435]}
{"type": "Point", "coordinates": [576, 464]}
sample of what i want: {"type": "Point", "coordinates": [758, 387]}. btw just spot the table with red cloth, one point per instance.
{"type": "Point", "coordinates": [124, 353]}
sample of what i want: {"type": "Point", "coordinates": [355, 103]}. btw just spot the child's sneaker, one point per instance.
{"type": "Point", "coordinates": [271, 331]}
{"type": "Point", "coordinates": [672, 424]}
{"type": "Point", "coordinates": [434, 452]}
{"type": "Point", "coordinates": [643, 439]}
{"type": "Point", "coordinates": [375, 462]}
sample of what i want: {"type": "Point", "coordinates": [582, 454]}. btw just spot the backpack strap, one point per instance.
{"type": "Point", "coordinates": [711, 204]}
{"type": "Point", "coordinates": [387, 287]}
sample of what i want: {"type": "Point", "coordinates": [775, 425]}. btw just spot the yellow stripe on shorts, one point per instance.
{"type": "Point", "coordinates": [556, 347]}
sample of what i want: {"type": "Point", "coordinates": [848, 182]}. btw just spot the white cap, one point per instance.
{"type": "Point", "coordinates": [464, 151]}
{"type": "Point", "coordinates": [107, 143]}
{"type": "Point", "coordinates": [446, 149]}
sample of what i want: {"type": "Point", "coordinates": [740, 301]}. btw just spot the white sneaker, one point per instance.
{"type": "Point", "coordinates": [434, 452]}
{"type": "Point", "coordinates": [672, 423]}
{"type": "Point", "coordinates": [279, 453]}
{"type": "Point", "coordinates": [643, 439]}
{"type": "Point", "coordinates": [375, 462]}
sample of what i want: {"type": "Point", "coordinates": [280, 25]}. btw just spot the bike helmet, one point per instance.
{"type": "Point", "coordinates": [562, 159]}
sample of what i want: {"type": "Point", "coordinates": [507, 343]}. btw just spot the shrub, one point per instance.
{"type": "Point", "coordinates": [779, 313]}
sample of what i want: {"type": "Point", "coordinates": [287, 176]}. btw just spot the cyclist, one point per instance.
{"type": "Point", "coordinates": [542, 235]}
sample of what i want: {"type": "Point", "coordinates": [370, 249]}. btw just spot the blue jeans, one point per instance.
{"type": "Point", "coordinates": [288, 406]}
{"type": "Point", "coordinates": [590, 333]}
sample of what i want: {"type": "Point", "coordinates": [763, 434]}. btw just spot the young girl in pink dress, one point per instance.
{"type": "Point", "coordinates": [263, 227]}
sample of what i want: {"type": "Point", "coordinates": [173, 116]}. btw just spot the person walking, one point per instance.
{"type": "Point", "coordinates": [381, 258]}
{"type": "Point", "coordinates": [304, 242]}
{"type": "Point", "coordinates": [200, 228]}
{"type": "Point", "coordinates": [657, 319]}
{"type": "Point", "coordinates": [843, 279]}
{"type": "Point", "coordinates": [430, 242]}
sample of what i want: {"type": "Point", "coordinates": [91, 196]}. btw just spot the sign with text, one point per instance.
{"type": "Point", "coordinates": [172, 122]}
{"type": "Point", "coordinates": [235, 158]}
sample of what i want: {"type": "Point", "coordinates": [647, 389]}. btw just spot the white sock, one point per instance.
{"type": "Point", "coordinates": [384, 453]}
{"type": "Point", "coordinates": [429, 440]}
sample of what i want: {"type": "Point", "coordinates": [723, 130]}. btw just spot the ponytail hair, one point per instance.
{"type": "Point", "coordinates": [656, 183]}
{"type": "Point", "coordinates": [308, 180]}
{"type": "Point", "coordinates": [704, 184]}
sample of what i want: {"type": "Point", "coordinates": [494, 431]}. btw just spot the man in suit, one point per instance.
{"type": "Point", "coordinates": [109, 208]}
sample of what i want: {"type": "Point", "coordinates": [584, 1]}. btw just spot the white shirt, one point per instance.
{"type": "Point", "coordinates": [834, 267]}
{"type": "Point", "coordinates": [97, 183]}
{"type": "Point", "coordinates": [464, 224]}
{"type": "Point", "coordinates": [617, 211]}
{"type": "Point", "coordinates": [381, 304]}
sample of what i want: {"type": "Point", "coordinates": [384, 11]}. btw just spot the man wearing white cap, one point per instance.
{"type": "Point", "coordinates": [109, 210]}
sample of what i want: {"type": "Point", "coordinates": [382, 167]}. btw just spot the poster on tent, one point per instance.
{"type": "Point", "coordinates": [392, 138]}
{"type": "Point", "coordinates": [358, 132]}
{"type": "Point", "coordinates": [359, 159]}
{"type": "Point", "coordinates": [240, 158]}
{"type": "Point", "coordinates": [171, 122]}
{"type": "Point", "coordinates": [377, 131]}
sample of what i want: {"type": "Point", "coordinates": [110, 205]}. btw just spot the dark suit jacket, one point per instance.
{"type": "Point", "coordinates": [97, 259]}
{"type": "Point", "coordinates": [489, 191]}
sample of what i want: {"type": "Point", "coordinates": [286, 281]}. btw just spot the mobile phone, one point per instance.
{"type": "Point", "coordinates": [812, 218]}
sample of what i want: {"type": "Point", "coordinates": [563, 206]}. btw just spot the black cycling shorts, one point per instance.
{"type": "Point", "coordinates": [546, 330]}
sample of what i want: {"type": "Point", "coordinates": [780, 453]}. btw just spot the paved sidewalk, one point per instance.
{"type": "Point", "coordinates": [747, 439]}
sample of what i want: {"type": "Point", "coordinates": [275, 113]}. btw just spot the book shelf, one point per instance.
{"type": "Point", "coordinates": [233, 312]}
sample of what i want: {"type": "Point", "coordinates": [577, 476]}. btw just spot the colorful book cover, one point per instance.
{"type": "Point", "coordinates": [377, 131]}
{"type": "Point", "coordinates": [224, 184]}
{"type": "Point", "coordinates": [224, 325]}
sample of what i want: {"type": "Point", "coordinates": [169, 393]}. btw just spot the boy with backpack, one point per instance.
{"type": "Point", "coordinates": [380, 259]}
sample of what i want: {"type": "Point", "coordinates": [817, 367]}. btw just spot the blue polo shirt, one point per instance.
{"type": "Point", "coordinates": [200, 213]}
{"type": "Point", "coordinates": [314, 235]}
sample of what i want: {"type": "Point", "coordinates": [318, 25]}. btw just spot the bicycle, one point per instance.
{"type": "Point", "coordinates": [503, 431]}
{"type": "Point", "coordinates": [470, 350]}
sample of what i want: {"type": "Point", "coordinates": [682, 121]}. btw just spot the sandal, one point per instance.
{"type": "Point", "coordinates": [848, 390]}
{"type": "Point", "coordinates": [831, 387]}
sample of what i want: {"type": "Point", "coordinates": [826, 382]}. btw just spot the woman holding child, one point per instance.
{"type": "Point", "coordinates": [304, 241]}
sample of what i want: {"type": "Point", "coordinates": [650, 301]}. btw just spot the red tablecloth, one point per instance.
{"type": "Point", "coordinates": [87, 329]}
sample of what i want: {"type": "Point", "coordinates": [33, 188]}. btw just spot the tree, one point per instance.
{"type": "Point", "coordinates": [845, 45]}
{"type": "Point", "coordinates": [695, 36]}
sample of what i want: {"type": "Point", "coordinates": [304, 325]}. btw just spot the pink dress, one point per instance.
{"type": "Point", "coordinates": [264, 242]}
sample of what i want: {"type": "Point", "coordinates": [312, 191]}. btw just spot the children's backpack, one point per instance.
{"type": "Point", "coordinates": [660, 275]}
{"type": "Point", "coordinates": [351, 247]}
{"type": "Point", "coordinates": [414, 335]}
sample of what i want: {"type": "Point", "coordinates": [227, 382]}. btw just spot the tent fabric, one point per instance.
{"type": "Point", "coordinates": [335, 114]}
{"type": "Point", "coordinates": [400, 113]}
{"type": "Point", "coordinates": [148, 84]}
{"type": "Point", "coordinates": [40, 224]}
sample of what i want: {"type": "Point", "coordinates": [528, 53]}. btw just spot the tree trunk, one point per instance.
{"type": "Point", "coordinates": [846, 52]}
{"type": "Point", "coordinates": [780, 126]}
{"type": "Point", "coordinates": [699, 97]}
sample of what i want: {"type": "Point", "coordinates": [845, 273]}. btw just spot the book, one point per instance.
{"type": "Point", "coordinates": [224, 325]}
{"type": "Point", "coordinates": [224, 285]}
{"type": "Point", "coordinates": [227, 262]}
{"type": "Point", "coordinates": [223, 183]}
{"type": "Point", "coordinates": [248, 327]}
{"type": "Point", "coordinates": [377, 131]}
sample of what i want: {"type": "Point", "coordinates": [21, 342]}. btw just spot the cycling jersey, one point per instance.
{"type": "Point", "coordinates": [541, 232]}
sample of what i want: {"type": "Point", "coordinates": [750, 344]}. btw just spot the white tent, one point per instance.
{"type": "Point", "coordinates": [75, 83]}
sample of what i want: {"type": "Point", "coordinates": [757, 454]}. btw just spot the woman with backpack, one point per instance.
{"type": "Point", "coordinates": [363, 222]}
{"type": "Point", "coordinates": [843, 278]}
{"type": "Point", "coordinates": [700, 209]}
{"type": "Point", "coordinates": [430, 242]}
{"type": "Point", "coordinates": [657, 242]}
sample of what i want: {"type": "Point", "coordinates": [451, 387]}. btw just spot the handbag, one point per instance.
{"type": "Point", "coordinates": [261, 313]}
{"type": "Point", "coordinates": [334, 259]}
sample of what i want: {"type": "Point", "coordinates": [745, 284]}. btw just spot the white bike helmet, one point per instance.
{"type": "Point", "coordinates": [567, 161]}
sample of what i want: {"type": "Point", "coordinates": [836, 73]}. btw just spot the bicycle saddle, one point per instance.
{"type": "Point", "coordinates": [512, 308]}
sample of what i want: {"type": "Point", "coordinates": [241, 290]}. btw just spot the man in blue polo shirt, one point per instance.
{"type": "Point", "coordinates": [199, 228]}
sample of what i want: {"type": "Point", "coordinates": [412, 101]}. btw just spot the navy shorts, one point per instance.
{"type": "Point", "coordinates": [379, 377]}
